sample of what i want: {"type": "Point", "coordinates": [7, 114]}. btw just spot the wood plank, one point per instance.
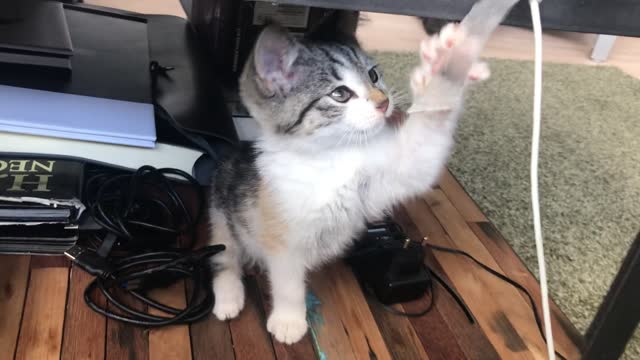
{"type": "Point", "coordinates": [169, 342]}
{"type": "Point", "coordinates": [14, 277]}
{"type": "Point", "coordinates": [470, 337]}
{"type": "Point", "coordinates": [437, 338]}
{"type": "Point", "coordinates": [50, 262]}
{"type": "Point", "coordinates": [460, 198]}
{"type": "Point", "coordinates": [43, 319]}
{"type": "Point", "coordinates": [516, 308]}
{"type": "Point", "coordinates": [303, 349]}
{"type": "Point", "coordinates": [398, 332]}
{"type": "Point", "coordinates": [343, 306]}
{"type": "Point", "coordinates": [126, 341]}
{"type": "Point", "coordinates": [211, 339]}
{"type": "Point", "coordinates": [508, 260]}
{"type": "Point", "coordinates": [330, 337]}
{"type": "Point", "coordinates": [500, 311]}
{"type": "Point", "coordinates": [248, 331]}
{"type": "Point", "coordinates": [566, 336]}
{"type": "Point", "coordinates": [84, 329]}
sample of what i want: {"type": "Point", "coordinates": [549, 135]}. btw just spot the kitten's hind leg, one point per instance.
{"type": "Point", "coordinates": [227, 282]}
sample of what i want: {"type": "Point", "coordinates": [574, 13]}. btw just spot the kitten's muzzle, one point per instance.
{"type": "Point", "coordinates": [379, 99]}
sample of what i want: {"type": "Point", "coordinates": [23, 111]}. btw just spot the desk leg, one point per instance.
{"type": "Point", "coordinates": [619, 313]}
{"type": "Point", "coordinates": [602, 47]}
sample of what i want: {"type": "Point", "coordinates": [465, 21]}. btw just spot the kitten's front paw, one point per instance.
{"type": "Point", "coordinates": [436, 52]}
{"type": "Point", "coordinates": [229, 296]}
{"type": "Point", "coordinates": [286, 327]}
{"type": "Point", "coordinates": [479, 71]}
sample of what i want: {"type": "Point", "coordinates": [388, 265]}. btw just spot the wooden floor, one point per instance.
{"type": "Point", "coordinates": [43, 315]}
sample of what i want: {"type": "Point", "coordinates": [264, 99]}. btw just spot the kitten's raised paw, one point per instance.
{"type": "Point", "coordinates": [287, 328]}
{"type": "Point", "coordinates": [435, 50]}
{"type": "Point", "coordinates": [479, 71]}
{"type": "Point", "coordinates": [229, 296]}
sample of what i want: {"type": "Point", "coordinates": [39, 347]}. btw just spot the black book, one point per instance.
{"type": "Point", "coordinates": [40, 190]}
{"type": "Point", "coordinates": [40, 204]}
{"type": "Point", "coordinates": [37, 239]}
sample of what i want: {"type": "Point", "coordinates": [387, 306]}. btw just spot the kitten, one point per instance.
{"type": "Point", "coordinates": [330, 158]}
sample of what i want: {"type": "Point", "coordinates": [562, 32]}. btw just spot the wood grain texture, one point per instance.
{"type": "Point", "coordinates": [494, 304]}
{"type": "Point", "coordinates": [248, 331]}
{"type": "Point", "coordinates": [84, 329]}
{"type": "Point", "coordinates": [303, 349]}
{"type": "Point", "coordinates": [171, 342]}
{"type": "Point", "coordinates": [342, 305]}
{"type": "Point", "coordinates": [566, 336]}
{"type": "Point", "coordinates": [329, 335]}
{"type": "Point", "coordinates": [126, 341]}
{"type": "Point", "coordinates": [43, 319]}
{"type": "Point", "coordinates": [460, 198]}
{"type": "Point", "coordinates": [211, 339]}
{"type": "Point", "coordinates": [398, 333]}
{"type": "Point", "coordinates": [436, 337]}
{"type": "Point", "coordinates": [470, 337]}
{"type": "Point", "coordinates": [14, 277]}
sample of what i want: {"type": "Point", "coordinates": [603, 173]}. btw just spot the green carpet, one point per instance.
{"type": "Point", "coordinates": [589, 169]}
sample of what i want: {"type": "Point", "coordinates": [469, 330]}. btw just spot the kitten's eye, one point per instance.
{"type": "Point", "coordinates": [373, 75]}
{"type": "Point", "coordinates": [341, 94]}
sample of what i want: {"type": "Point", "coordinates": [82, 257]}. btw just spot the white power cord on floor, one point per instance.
{"type": "Point", "coordinates": [535, 201]}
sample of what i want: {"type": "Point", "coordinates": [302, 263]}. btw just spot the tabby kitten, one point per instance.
{"type": "Point", "coordinates": [330, 158]}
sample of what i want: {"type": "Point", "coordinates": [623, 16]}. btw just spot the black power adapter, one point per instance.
{"type": "Point", "coordinates": [389, 264]}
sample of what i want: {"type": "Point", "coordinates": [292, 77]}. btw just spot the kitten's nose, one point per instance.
{"type": "Point", "coordinates": [379, 99]}
{"type": "Point", "coordinates": [383, 105]}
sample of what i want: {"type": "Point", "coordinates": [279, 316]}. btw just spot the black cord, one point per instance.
{"type": "Point", "coordinates": [143, 203]}
{"type": "Point", "coordinates": [137, 274]}
{"type": "Point", "coordinates": [417, 313]}
{"type": "Point", "coordinates": [454, 294]}
{"type": "Point", "coordinates": [144, 216]}
{"type": "Point", "coordinates": [501, 277]}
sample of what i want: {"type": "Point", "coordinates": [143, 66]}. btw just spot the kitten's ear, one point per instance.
{"type": "Point", "coordinates": [274, 55]}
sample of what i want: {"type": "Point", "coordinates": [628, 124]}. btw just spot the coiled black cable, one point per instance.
{"type": "Point", "coordinates": [135, 210]}
{"type": "Point", "coordinates": [134, 275]}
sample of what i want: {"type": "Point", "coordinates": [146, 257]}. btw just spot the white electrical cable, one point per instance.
{"type": "Point", "coordinates": [535, 148]}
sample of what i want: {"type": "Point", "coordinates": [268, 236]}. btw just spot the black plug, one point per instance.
{"type": "Point", "coordinates": [89, 261]}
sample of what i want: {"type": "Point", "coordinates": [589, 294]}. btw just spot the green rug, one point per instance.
{"type": "Point", "coordinates": [589, 169]}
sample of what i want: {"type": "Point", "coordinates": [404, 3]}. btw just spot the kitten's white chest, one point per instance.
{"type": "Point", "coordinates": [319, 198]}
{"type": "Point", "coordinates": [316, 182]}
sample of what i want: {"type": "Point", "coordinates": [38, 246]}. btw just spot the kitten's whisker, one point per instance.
{"type": "Point", "coordinates": [344, 135]}
{"type": "Point", "coordinates": [349, 138]}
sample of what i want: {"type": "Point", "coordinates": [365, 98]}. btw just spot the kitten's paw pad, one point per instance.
{"type": "Point", "coordinates": [420, 79]}
{"type": "Point", "coordinates": [287, 328]}
{"type": "Point", "coordinates": [229, 297]}
{"type": "Point", "coordinates": [479, 71]}
{"type": "Point", "coordinates": [429, 49]}
{"type": "Point", "coordinates": [435, 50]}
{"type": "Point", "coordinates": [451, 35]}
